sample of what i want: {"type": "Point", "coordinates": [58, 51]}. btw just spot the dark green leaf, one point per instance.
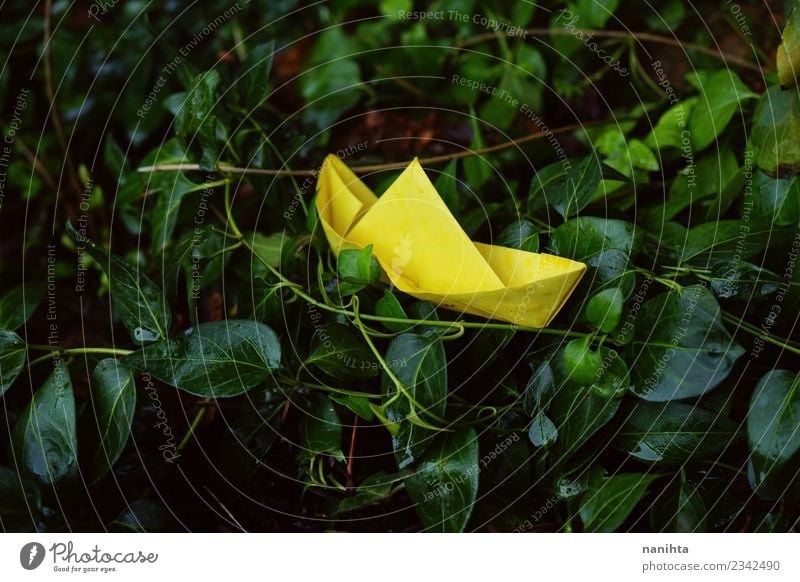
{"type": "Point", "coordinates": [389, 306]}
{"type": "Point", "coordinates": [576, 189]}
{"type": "Point", "coordinates": [113, 401]}
{"type": "Point", "coordinates": [445, 484]}
{"type": "Point", "coordinates": [373, 490]}
{"type": "Point", "coordinates": [20, 501]}
{"type": "Point", "coordinates": [45, 441]}
{"type": "Point", "coordinates": [680, 348]}
{"type": "Point", "coordinates": [216, 359]}
{"type": "Point", "coordinates": [145, 515]}
{"type": "Point", "coordinates": [520, 234]}
{"type": "Point", "coordinates": [19, 303]}
{"type": "Point", "coordinates": [722, 241]}
{"type": "Point", "coordinates": [586, 236]}
{"type": "Point", "coordinates": [609, 501]}
{"type": "Point", "coordinates": [772, 424]}
{"type": "Point", "coordinates": [539, 389]}
{"type": "Point", "coordinates": [743, 281]}
{"type": "Point", "coordinates": [476, 168]}
{"type": "Point", "coordinates": [679, 509]}
{"type": "Point", "coordinates": [138, 302]}
{"type": "Point", "coordinates": [321, 430]}
{"type": "Point", "coordinates": [253, 82]}
{"type": "Point", "coordinates": [12, 358]}
{"type": "Point", "coordinates": [673, 432]}
{"type": "Point", "coordinates": [196, 122]}
{"type": "Point", "coordinates": [419, 363]}
{"type": "Point", "coordinates": [338, 352]}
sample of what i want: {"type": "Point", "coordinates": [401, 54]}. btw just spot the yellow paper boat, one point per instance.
{"type": "Point", "coordinates": [425, 253]}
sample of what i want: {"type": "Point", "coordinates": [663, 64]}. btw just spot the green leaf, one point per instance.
{"type": "Point", "coordinates": [20, 501]}
{"type": "Point", "coordinates": [520, 234]}
{"type": "Point", "coordinates": [776, 132]}
{"type": "Point", "coordinates": [357, 269]}
{"type": "Point", "coordinates": [447, 186]}
{"type": "Point", "coordinates": [357, 404]}
{"type": "Point", "coordinates": [673, 432]}
{"type": "Point", "coordinates": [253, 81]}
{"type": "Point", "coordinates": [45, 439]}
{"type": "Point", "coordinates": [680, 347]}
{"type": "Point", "coordinates": [476, 168]}
{"type": "Point", "coordinates": [137, 301]}
{"type": "Point", "coordinates": [145, 515]}
{"type": "Point", "coordinates": [542, 431]}
{"type": "Point", "coordinates": [372, 490]}
{"type": "Point", "coordinates": [720, 96]}
{"type": "Point", "coordinates": [724, 240]}
{"type": "Point", "coordinates": [772, 425]}
{"type": "Point", "coordinates": [679, 509]}
{"type": "Point", "coordinates": [445, 484]}
{"type": "Point", "coordinates": [774, 200]}
{"type": "Point", "coordinates": [539, 389]}
{"type": "Point", "coordinates": [742, 281]}
{"type": "Point", "coordinates": [419, 363]}
{"type": "Point", "coordinates": [12, 358]}
{"type": "Point", "coordinates": [580, 408]}
{"type": "Point", "coordinates": [217, 359]}
{"type": "Point", "coordinates": [389, 306]}
{"type": "Point", "coordinates": [609, 501]}
{"type": "Point", "coordinates": [788, 56]}
{"type": "Point", "coordinates": [605, 309]}
{"type": "Point", "coordinates": [267, 247]}
{"type": "Point", "coordinates": [338, 352]}
{"type": "Point", "coordinates": [321, 430]}
{"type": "Point", "coordinates": [671, 127]}
{"type": "Point", "coordinates": [196, 122]}
{"type": "Point", "coordinates": [330, 89]}
{"type": "Point", "coordinates": [113, 401]}
{"type": "Point", "coordinates": [587, 236]}
{"type": "Point", "coordinates": [575, 190]}
{"type": "Point", "coordinates": [19, 303]}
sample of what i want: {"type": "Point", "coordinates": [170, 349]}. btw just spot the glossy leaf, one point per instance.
{"type": "Point", "coordinates": [217, 359]}
{"type": "Point", "coordinates": [605, 309]}
{"type": "Point", "coordinates": [138, 302]}
{"type": "Point", "coordinates": [196, 122]}
{"type": "Point", "coordinates": [45, 439]}
{"type": "Point", "coordinates": [113, 399]}
{"type": "Point", "coordinates": [337, 351]}
{"type": "Point", "coordinates": [12, 358]}
{"type": "Point", "coordinates": [609, 501]}
{"type": "Point", "coordinates": [680, 348]}
{"type": "Point", "coordinates": [389, 306]}
{"type": "Point", "coordinates": [542, 431]}
{"type": "Point", "coordinates": [253, 81]}
{"type": "Point", "coordinates": [321, 429]}
{"type": "Point", "coordinates": [673, 432]}
{"type": "Point", "coordinates": [579, 185]}
{"type": "Point", "coordinates": [679, 509]}
{"type": "Point", "coordinates": [772, 424]}
{"type": "Point", "coordinates": [419, 363]}
{"type": "Point", "coordinates": [444, 485]}
{"type": "Point", "coordinates": [520, 234]}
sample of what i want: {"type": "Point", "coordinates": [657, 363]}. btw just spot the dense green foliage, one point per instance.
{"type": "Point", "coordinates": [182, 351]}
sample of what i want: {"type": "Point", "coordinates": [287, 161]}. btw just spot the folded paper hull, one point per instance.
{"type": "Point", "coordinates": [425, 253]}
